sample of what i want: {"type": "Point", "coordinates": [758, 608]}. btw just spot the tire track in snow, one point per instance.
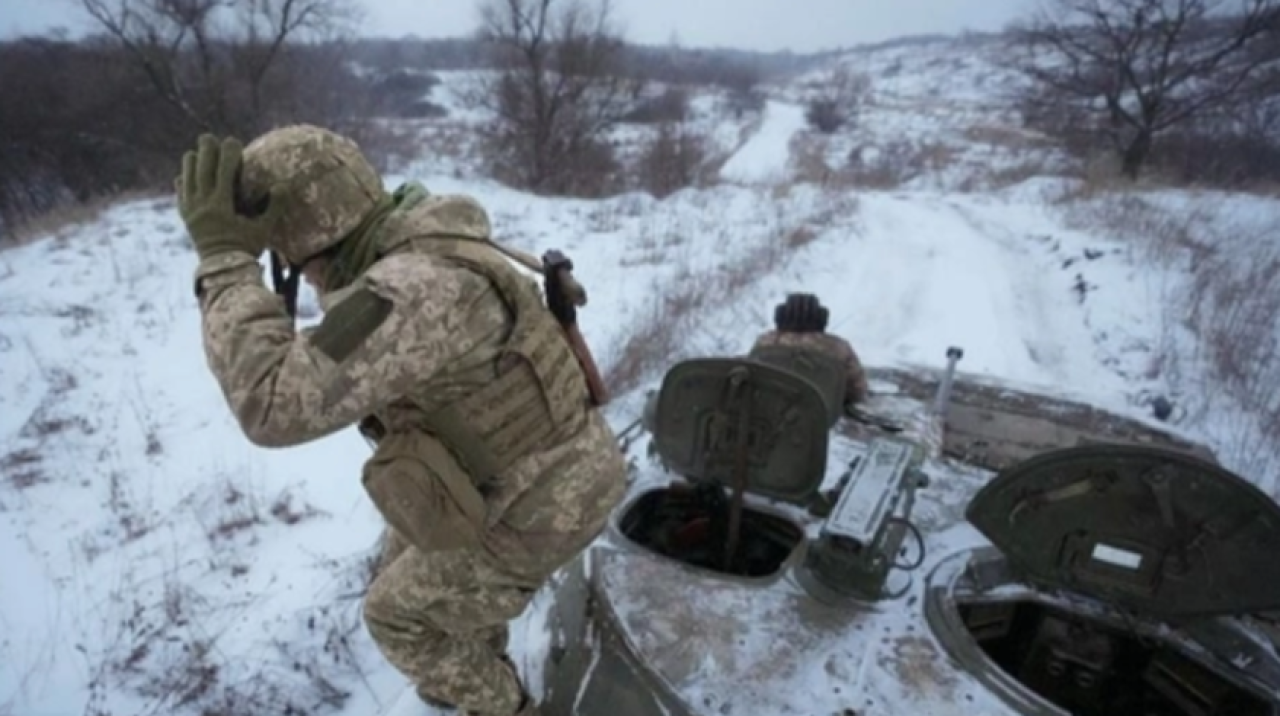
{"type": "Point", "coordinates": [764, 157]}
{"type": "Point", "coordinates": [1042, 329]}
{"type": "Point", "coordinates": [927, 273]}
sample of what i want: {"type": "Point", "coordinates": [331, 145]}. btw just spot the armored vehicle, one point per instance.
{"type": "Point", "coordinates": [951, 546]}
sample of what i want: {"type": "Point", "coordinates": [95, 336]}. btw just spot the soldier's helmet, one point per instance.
{"type": "Point", "coordinates": [800, 313]}
{"type": "Point", "coordinates": [326, 184]}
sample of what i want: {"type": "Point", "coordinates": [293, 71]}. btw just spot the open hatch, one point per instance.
{"type": "Point", "coordinates": [1111, 567]}
{"type": "Point", "coordinates": [730, 427]}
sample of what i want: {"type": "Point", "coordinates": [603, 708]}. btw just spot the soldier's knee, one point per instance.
{"type": "Point", "coordinates": [393, 545]}
{"type": "Point", "coordinates": [371, 613]}
{"type": "Point", "coordinates": [394, 604]}
{"type": "Point", "coordinates": [379, 609]}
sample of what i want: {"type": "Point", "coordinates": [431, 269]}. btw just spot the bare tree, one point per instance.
{"type": "Point", "coordinates": [560, 87]}
{"type": "Point", "coordinates": [1136, 68]}
{"type": "Point", "coordinates": [213, 59]}
{"type": "Point", "coordinates": [112, 112]}
{"type": "Point", "coordinates": [742, 84]}
{"type": "Point", "coordinates": [86, 126]}
{"type": "Point", "coordinates": [674, 159]}
{"type": "Point", "coordinates": [839, 101]}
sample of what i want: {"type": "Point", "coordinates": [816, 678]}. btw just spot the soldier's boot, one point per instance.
{"type": "Point", "coordinates": [436, 703]}
{"type": "Point", "coordinates": [528, 706]}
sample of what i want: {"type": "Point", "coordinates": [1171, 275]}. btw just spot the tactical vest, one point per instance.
{"type": "Point", "coordinates": [539, 390]}
{"type": "Point", "coordinates": [534, 395]}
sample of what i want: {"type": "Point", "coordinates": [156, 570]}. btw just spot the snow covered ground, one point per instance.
{"type": "Point", "coordinates": [156, 562]}
{"type": "Point", "coordinates": [765, 157]}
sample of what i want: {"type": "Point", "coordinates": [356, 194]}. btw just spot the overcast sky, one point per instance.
{"type": "Point", "coordinates": [799, 25]}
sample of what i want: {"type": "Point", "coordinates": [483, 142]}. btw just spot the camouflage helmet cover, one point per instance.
{"type": "Point", "coordinates": [326, 184]}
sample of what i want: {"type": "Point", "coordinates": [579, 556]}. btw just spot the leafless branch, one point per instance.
{"type": "Point", "coordinates": [202, 55]}
{"type": "Point", "coordinates": [1142, 67]}
{"type": "Point", "coordinates": [560, 87]}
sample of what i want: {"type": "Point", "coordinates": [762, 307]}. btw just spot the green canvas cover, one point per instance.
{"type": "Point", "coordinates": [1154, 530]}
{"type": "Point", "coordinates": [699, 411]}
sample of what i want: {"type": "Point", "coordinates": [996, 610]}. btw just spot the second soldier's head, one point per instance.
{"type": "Point", "coordinates": [800, 313]}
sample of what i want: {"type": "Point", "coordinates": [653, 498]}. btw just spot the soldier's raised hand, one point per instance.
{"type": "Point", "coordinates": [207, 201]}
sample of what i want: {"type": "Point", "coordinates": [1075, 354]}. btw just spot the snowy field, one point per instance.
{"type": "Point", "coordinates": [157, 563]}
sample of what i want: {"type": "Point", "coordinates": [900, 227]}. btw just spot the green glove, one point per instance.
{"type": "Point", "coordinates": [206, 202]}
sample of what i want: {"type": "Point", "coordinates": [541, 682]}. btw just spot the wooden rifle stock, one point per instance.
{"type": "Point", "coordinates": [595, 384]}
{"type": "Point", "coordinates": [573, 295]}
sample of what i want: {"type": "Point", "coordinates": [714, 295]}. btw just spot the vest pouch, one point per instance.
{"type": "Point", "coordinates": [421, 491]}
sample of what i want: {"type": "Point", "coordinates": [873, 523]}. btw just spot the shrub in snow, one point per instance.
{"type": "Point", "coordinates": [673, 160]}
{"type": "Point", "coordinates": [839, 101]}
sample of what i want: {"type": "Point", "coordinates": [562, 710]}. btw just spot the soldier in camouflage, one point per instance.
{"type": "Point", "coordinates": [491, 467]}
{"type": "Point", "coordinates": [802, 321]}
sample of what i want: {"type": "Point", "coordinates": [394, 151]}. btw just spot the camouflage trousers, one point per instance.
{"type": "Point", "coordinates": [441, 619]}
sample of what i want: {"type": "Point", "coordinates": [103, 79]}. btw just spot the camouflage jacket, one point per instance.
{"type": "Point", "coordinates": [442, 333]}
{"type": "Point", "coordinates": [856, 381]}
